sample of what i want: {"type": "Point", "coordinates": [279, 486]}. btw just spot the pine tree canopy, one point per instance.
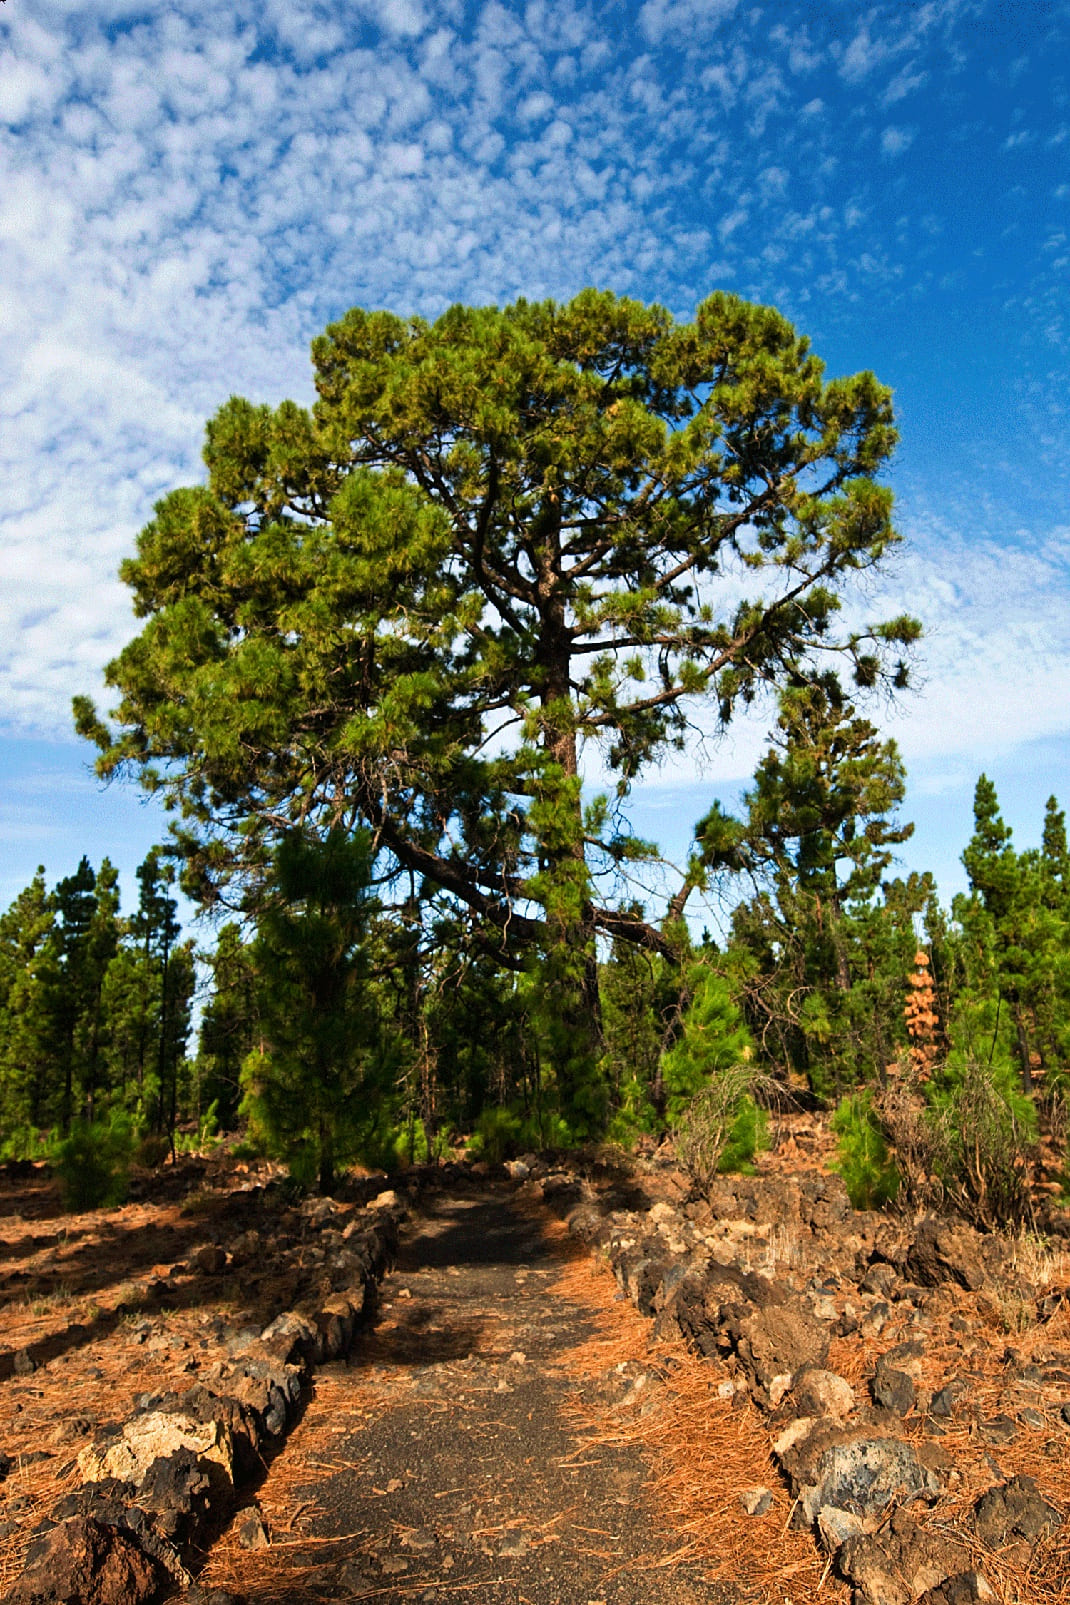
{"type": "Point", "coordinates": [495, 539]}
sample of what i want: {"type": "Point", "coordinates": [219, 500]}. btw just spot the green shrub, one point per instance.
{"type": "Point", "coordinates": [322, 1059]}
{"type": "Point", "coordinates": [250, 1146]}
{"type": "Point", "coordinates": [747, 1136]}
{"type": "Point", "coordinates": [93, 1163]}
{"type": "Point", "coordinates": [985, 1127]}
{"type": "Point", "coordinates": [714, 1039]}
{"type": "Point", "coordinates": [409, 1145]}
{"type": "Point", "coordinates": [152, 1150]}
{"type": "Point", "coordinates": [863, 1160]}
{"type": "Point", "coordinates": [502, 1133]}
{"type": "Point", "coordinates": [206, 1136]}
{"type": "Point", "coordinates": [635, 1117]}
{"type": "Point", "coordinates": [498, 1135]}
{"type": "Point", "coordinates": [26, 1142]}
{"type": "Point", "coordinates": [722, 1128]}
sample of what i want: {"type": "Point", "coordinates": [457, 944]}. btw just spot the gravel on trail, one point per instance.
{"type": "Point", "coordinates": [448, 1461]}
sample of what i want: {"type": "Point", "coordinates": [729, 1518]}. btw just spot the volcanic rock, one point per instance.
{"type": "Point", "coordinates": [84, 1562]}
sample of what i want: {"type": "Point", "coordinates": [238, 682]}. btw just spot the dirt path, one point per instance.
{"type": "Point", "coordinates": [447, 1462]}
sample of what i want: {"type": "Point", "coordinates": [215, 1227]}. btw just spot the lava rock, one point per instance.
{"type": "Point", "coordinates": [249, 1528]}
{"type": "Point", "coordinates": [756, 1501]}
{"type": "Point", "coordinates": [1014, 1512]}
{"type": "Point", "coordinates": [154, 1435]}
{"type": "Point", "coordinates": [999, 1429]}
{"type": "Point", "coordinates": [822, 1393]}
{"type": "Point", "coordinates": [880, 1279]}
{"type": "Point", "coordinates": [967, 1588]}
{"type": "Point", "coordinates": [776, 1342]}
{"type": "Point", "coordinates": [209, 1260]}
{"type": "Point", "coordinates": [946, 1251]}
{"type": "Point", "coordinates": [944, 1401]}
{"type": "Point", "coordinates": [900, 1562]}
{"type": "Point", "coordinates": [850, 1468]}
{"type": "Point", "coordinates": [183, 1497]}
{"type": "Point", "coordinates": [290, 1339]}
{"type": "Point", "coordinates": [893, 1390]}
{"type": "Point", "coordinates": [84, 1562]}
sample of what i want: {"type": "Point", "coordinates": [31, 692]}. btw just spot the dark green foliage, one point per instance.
{"type": "Point", "coordinates": [75, 905]}
{"type": "Point", "coordinates": [823, 947]}
{"type": "Point", "coordinates": [503, 1133]}
{"type": "Point", "coordinates": [634, 1115]}
{"type": "Point", "coordinates": [721, 1128]}
{"type": "Point", "coordinates": [863, 1159]}
{"type": "Point", "coordinates": [639, 993]}
{"type": "Point", "coordinates": [94, 1009]}
{"type": "Point", "coordinates": [499, 1135]}
{"type": "Point", "coordinates": [986, 1129]}
{"type": "Point", "coordinates": [311, 1087]}
{"type": "Point", "coordinates": [93, 1161]}
{"type": "Point", "coordinates": [713, 1039]}
{"type": "Point", "coordinates": [29, 1081]}
{"type": "Point", "coordinates": [747, 1136]}
{"type": "Point", "coordinates": [1013, 953]}
{"type": "Point", "coordinates": [495, 538]}
{"type": "Point", "coordinates": [228, 1027]}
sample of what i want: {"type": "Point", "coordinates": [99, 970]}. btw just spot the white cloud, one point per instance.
{"type": "Point", "coordinates": [995, 660]}
{"type": "Point", "coordinates": [774, 180]}
{"type": "Point", "coordinates": [403, 17]}
{"type": "Point", "coordinates": [533, 108]}
{"type": "Point", "coordinates": [905, 82]}
{"type": "Point", "coordinates": [894, 141]}
{"type": "Point", "coordinates": [734, 221]}
{"type": "Point", "coordinates": [992, 673]}
{"type": "Point", "coordinates": [23, 88]}
{"type": "Point", "coordinates": [803, 56]}
{"type": "Point", "coordinates": [190, 194]}
{"type": "Point", "coordinates": [679, 23]}
{"type": "Point", "coordinates": [863, 54]}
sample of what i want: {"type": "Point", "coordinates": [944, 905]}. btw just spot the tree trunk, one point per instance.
{"type": "Point", "coordinates": [326, 1156]}
{"type": "Point", "coordinates": [1023, 1052]}
{"type": "Point", "coordinates": [571, 962]}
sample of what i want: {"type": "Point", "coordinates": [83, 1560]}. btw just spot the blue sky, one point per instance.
{"type": "Point", "coordinates": [189, 193]}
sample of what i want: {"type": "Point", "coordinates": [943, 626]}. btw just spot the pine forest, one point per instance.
{"type": "Point", "coordinates": [377, 647]}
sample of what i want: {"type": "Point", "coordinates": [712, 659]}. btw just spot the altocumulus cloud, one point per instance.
{"type": "Point", "coordinates": [191, 192]}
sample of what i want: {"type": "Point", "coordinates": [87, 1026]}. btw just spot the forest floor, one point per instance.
{"type": "Point", "coordinates": [507, 1428]}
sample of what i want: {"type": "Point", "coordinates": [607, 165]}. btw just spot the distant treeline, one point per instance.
{"type": "Point", "coordinates": [343, 1023]}
{"type": "Point", "coordinates": [374, 645]}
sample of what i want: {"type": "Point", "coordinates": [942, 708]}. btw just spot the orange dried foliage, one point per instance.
{"type": "Point", "coordinates": [923, 1022]}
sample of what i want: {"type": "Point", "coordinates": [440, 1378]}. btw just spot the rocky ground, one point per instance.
{"type": "Point", "coordinates": [577, 1384]}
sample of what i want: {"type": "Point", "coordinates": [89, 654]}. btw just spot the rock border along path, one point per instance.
{"type": "Point", "coordinates": [157, 1485]}
{"type": "Point", "coordinates": [832, 1332]}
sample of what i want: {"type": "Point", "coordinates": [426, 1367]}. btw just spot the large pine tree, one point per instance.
{"type": "Point", "coordinates": [497, 538]}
